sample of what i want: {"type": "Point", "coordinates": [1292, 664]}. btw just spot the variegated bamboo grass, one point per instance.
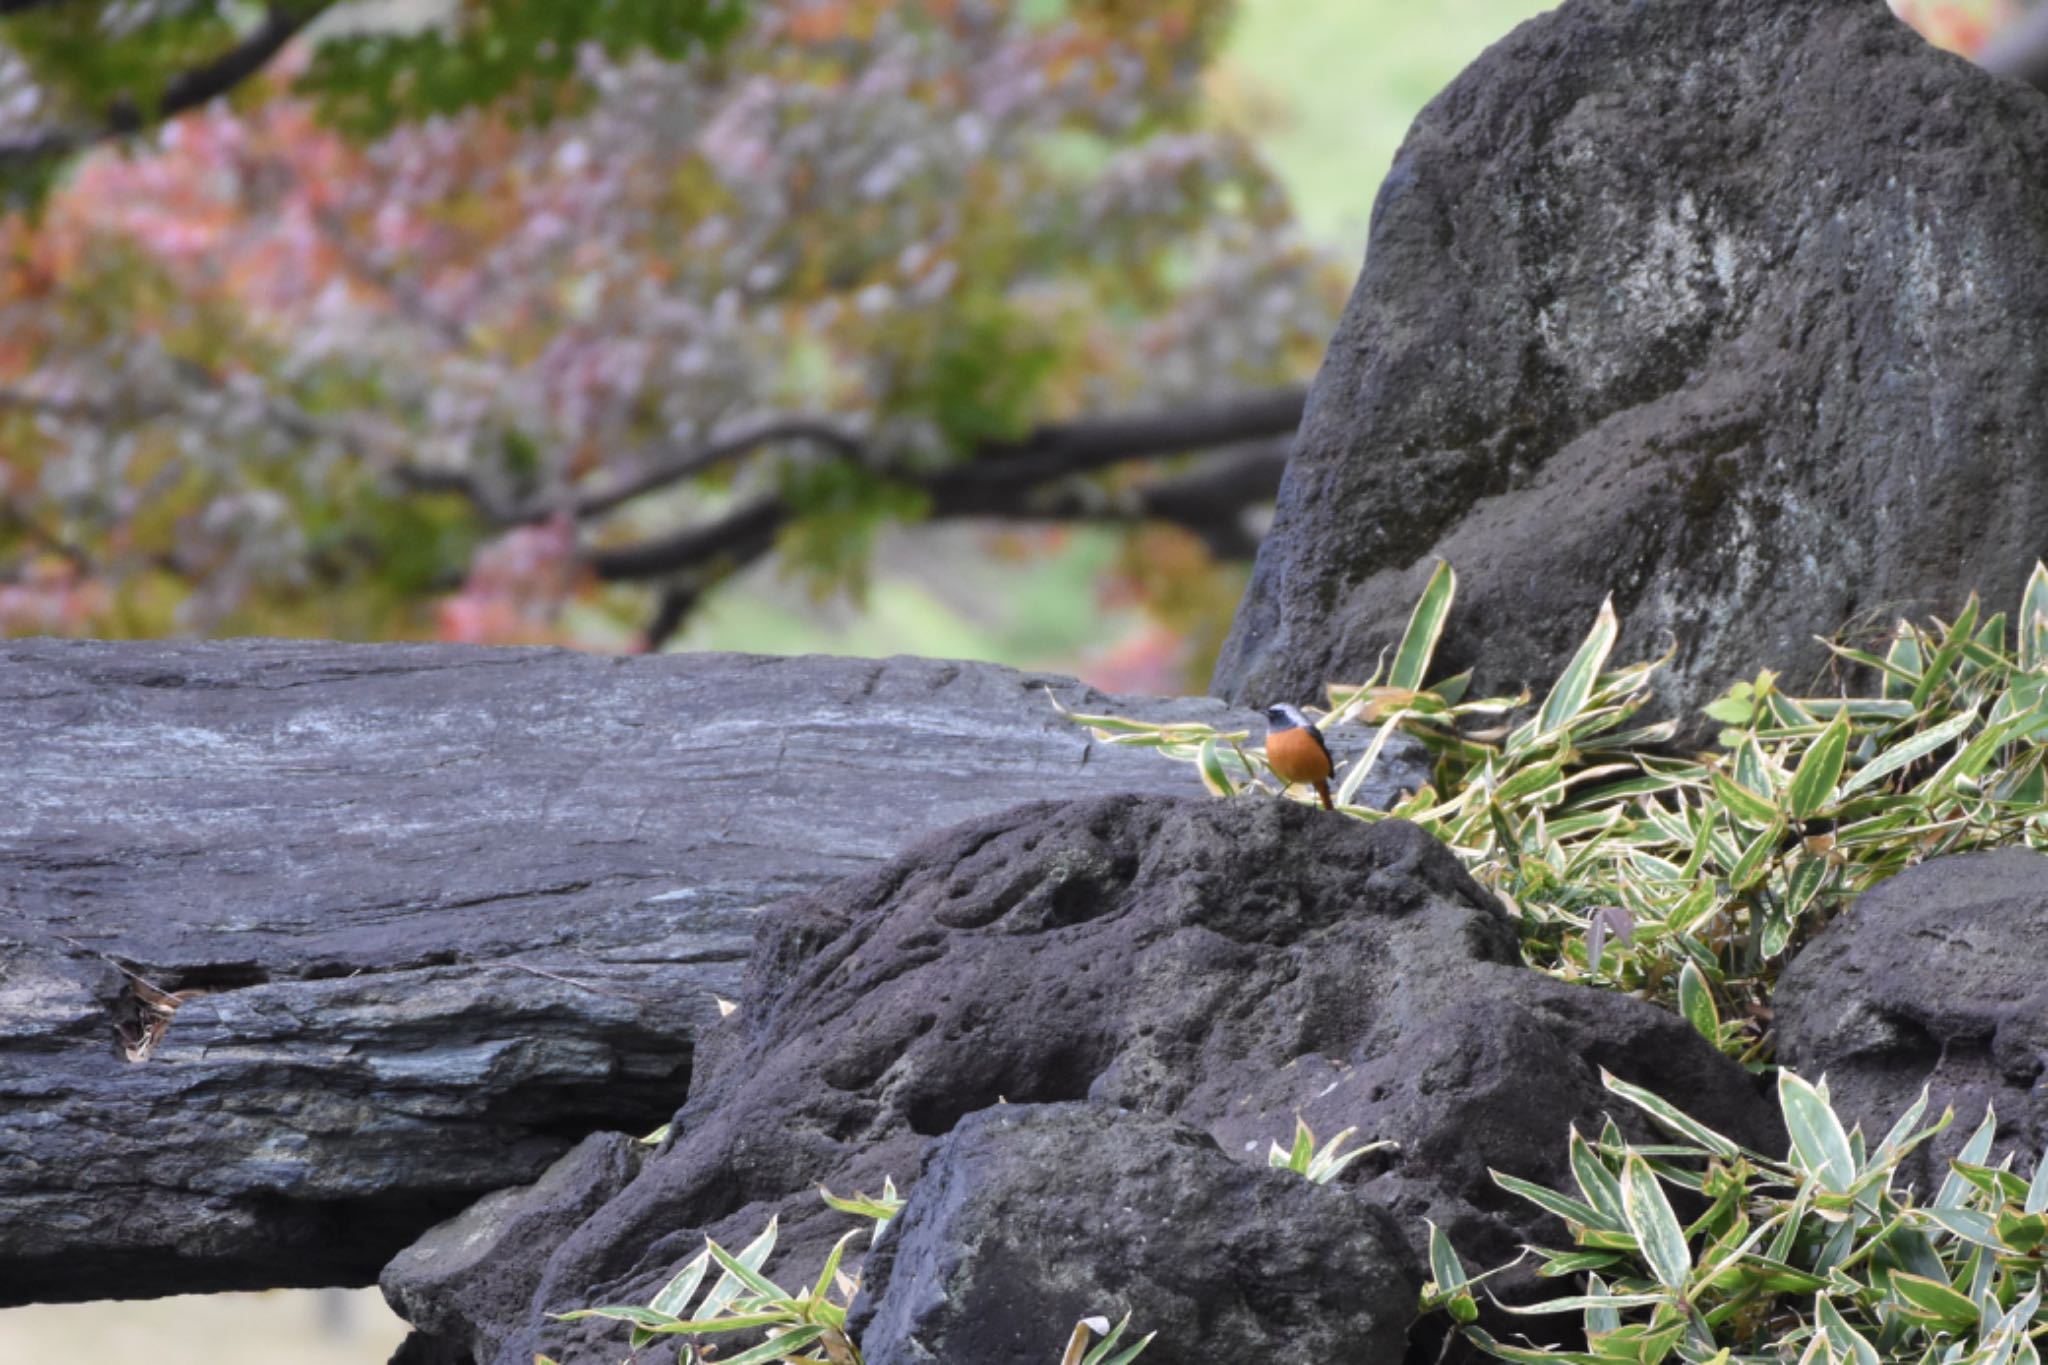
{"type": "Point", "coordinates": [1687, 878]}
{"type": "Point", "coordinates": [1819, 1258]}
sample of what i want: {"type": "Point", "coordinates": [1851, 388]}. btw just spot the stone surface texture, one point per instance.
{"type": "Point", "coordinates": [1938, 978]}
{"type": "Point", "coordinates": [1223, 964]}
{"type": "Point", "coordinates": [1029, 1216]}
{"type": "Point", "coordinates": [477, 1266]}
{"type": "Point", "coordinates": [1731, 308]}
{"type": "Point", "coordinates": [443, 911]}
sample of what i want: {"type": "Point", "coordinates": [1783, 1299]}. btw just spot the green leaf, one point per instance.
{"type": "Point", "coordinates": [1753, 810]}
{"type": "Point", "coordinates": [1126, 1357]}
{"type": "Point", "coordinates": [1734, 708]}
{"type": "Point", "coordinates": [1656, 1227]}
{"type": "Point", "coordinates": [1841, 1334]}
{"type": "Point", "coordinates": [783, 1347]}
{"type": "Point", "coordinates": [1670, 1116]}
{"type": "Point", "coordinates": [633, 1313]}
{"type": "Point", "coordinates": [1444, 1266]}
{"type": "Point", "coordinates": [881, 1210]}
{"type": "Point", "coordinates": [1751, 866]}
{"type": "Point", "coordinates": [1564, 1206]}
{"type": "Point", "coordinates": [2023, 1232]}
{"type": "Point", "coordinates": [1901, 1138]}
{"type": "Point", "coordinates": [1752, 770]}
{"type": "Point", "coordinates": [1955, 1188]}
{"type": "Point", "coordinates": [1777, 935]}
{"type": "Point", "coordinates": [1813, 785]}
{"type": "Point", "coordinates": [1425, 628]}
{"type": "Point", "coordinates": [1568, 696]}
{"type": "Point", "coordinates": [748, 1261]}
{"type": "Point", "coordinates": [1601, 1188]}
{"type": "Point", "coordinates": [1906, 662]}
{"type": "Point", "coordinates": [1968, 1224]}
{"type": "Point", "coordinates": [1696, 1002]}
{"type": "Point", "coordinates": [1579, 1303]}
{"type": "Point", "coordinates": [1817, 1351]}
{"type": "Point", "coordinates": [2034, 620]}
{"type": "Point", "coordinates": [1603, 1319]}
{"type": "Point", "coordinates": [675, 1296]}
{"type": "Point", "coordinates": [1347, 791]}
{"type": "Point", "coordinates": [1526, 1355]}
{"type": "Point", "coordinates": [1935, 1300]}
{"type": "Point", "coordinates": [1077, 1352]}
{"type": "Point", "coordinates": [1908, 751]}
{"type": "Point", "coordinates": [1820, 1145]}
{"type": "Point", "coordinates": [1214, 777]}
{"type": "Point", "coordinates": [1561, 1263]}
{"type": "Point", "coordinates": [823, 1287]}
{"type": "Point", "coordinates": [748, 1276]}
{"type": "Point", "coordinates": [1100, 1355]}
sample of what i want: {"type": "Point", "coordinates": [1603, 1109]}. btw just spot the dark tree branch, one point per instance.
{"type": "Point", "coordinates": [1008, 482]}
{"type": "Point", "coordinates": [674, 467]}
{"type": "Point", "coordinates": [671, 608]}
{"type": "Point", "coordinates": [990, 479]}
{"type": "Point", "coordinates": [736, 539]}
{"type": "Point", "coordinates": [62, 409]}
{"type": "Point", "coordinates": [184, 91]}
{"type": "Point", "coordinates": [1066, 448]}
{"type": "Point", "coordinates": [1210, 500]}
{"type": "Point", "coordinates": [13, 518]}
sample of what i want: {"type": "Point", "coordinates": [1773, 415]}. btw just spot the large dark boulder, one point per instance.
{"type": "Point", "coordinates": [1727, 307]}
{"type": "Point", "coordinates": [1030, 1217]}
{"type": "Point", "coordinates": [471, 1269]}
{"type": "Point", "coordinates": [432, 913]}
{"type": "Point", "coordinates": [1225, 964]}
{"type": "Point", "coordinates": [1938, 978]}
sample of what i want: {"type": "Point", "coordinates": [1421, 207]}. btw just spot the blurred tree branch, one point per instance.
{"type": "Point", "coordinates": [1210, 501]}
{"type": "Point", "coordinates": [1033, 480]}
{"type": "Point", "coordinates": [606, 319]}
{"type": "Point", "coordinates": [183, 90]}
{"type": "Point", "coordinates": [1004, 482]}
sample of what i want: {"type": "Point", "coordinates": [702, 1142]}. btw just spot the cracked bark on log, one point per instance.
{"type": "Point", "coordinates": [393, 926]}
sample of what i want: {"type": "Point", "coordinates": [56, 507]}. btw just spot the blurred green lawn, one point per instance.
{"type": "Point", "coordinates": [1337, 82]}
{"type": "Point", "coordinates": [1329, 88]}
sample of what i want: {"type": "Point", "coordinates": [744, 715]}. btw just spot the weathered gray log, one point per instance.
{"type": "Point", "coordinates": [451, 909]}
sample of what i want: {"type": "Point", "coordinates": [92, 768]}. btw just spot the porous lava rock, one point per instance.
{"type": "Point", "coordinates": [1224, 964]}
{"type": "Point", "coordinates": [1730, 308]}
{"type": "Point", "coordinates": [476, 1267]}
{"type": "Point", "coordinates": [1938, 978]}
{"type": "Point", "coordinates": [1030, 1216]}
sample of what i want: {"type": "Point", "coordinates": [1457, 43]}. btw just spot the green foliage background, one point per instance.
{"type": "Point", "coordinates": [1328, 89]}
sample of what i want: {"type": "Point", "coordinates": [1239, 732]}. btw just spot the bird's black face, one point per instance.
{"type": "Point", "coordinates": [1283, 717]}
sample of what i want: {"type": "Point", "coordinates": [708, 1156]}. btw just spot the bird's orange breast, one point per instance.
{"type": "Point", "coordinates": [1296, 757]}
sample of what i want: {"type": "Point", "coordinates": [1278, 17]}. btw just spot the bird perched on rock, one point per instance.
{"type": "Point", "coordinates": [1295, 750]}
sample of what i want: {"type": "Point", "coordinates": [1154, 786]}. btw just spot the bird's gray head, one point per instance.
{"type": "Point", "coordinates": [1285, 717]}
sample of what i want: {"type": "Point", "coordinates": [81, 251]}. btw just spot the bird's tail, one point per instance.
{"type": "Point", "coordinates": [1323, 790]}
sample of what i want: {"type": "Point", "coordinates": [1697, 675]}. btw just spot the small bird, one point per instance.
{"type": "Point", "coordinates": [1295, 750]}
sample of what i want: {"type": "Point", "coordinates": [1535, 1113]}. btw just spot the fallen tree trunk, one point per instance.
{"type": "Point", "coordinates": [305, 946]}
